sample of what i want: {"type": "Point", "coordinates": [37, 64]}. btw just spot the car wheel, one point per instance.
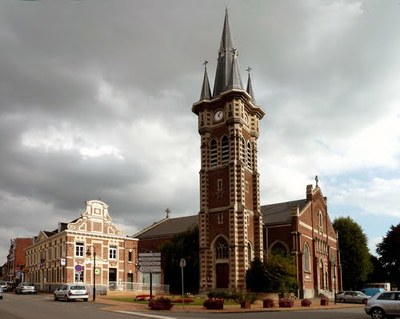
{"type": "Point", "coordinates": [55, 298]}
{"type": "Point", "coordinates": [377, 313]}
{"type": "Point", "coordinates": [341, 300]}
{"type": "Point", "coordinates": [85, 299]}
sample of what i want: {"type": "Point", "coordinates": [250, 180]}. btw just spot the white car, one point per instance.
{"type": "Point", "coordinates": [1, 293]}
{"type": "Point", "coordinates": [25, 287]}
{"type": "Point", "coordinates": [71, 292]}
{"type": "Point", "coordinates": [384, 305]}
{"type": "Point", "coordinates": [352, 296]}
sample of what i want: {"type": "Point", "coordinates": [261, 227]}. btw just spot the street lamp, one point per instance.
{"type": "Point", "coordinates": [88, 253]}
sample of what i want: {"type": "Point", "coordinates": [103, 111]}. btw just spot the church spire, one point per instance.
{"type": "Point", "coordinates": [225, 59]}
{"type": "Point", "coordinates": [205, 89]}
{"type": "Point", "coordinates": [249, 88]}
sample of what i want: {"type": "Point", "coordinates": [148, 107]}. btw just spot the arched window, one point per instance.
{"type": "Point", "coordinates": [320, 221]}
{"type": "Point", "coordinates": [242, 150]}
{"type": "Point", "coordinates": [278, 248]}
{"type": "Point", "coordinates": [221, 249]}
{"type": "Point", "coordinates": [306, 258]}
{"type": "Point", "coordinates": [225, 149]}
{"type": "Point", "coordinates": [249, 156]}
{"type": "Point", "coordinates": [213, 153]}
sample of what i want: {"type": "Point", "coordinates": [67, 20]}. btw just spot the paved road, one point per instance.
{"type": "Point", "coordinates": [42, 306]}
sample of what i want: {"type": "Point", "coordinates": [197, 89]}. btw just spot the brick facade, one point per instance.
{"type": "Point", "coordinates": [68, 253]}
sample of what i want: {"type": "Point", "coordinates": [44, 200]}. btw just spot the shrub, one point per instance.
{"type": "Point", "coordinates": [306, 303]}
{"type": "Point", "coordinates": [213, 303]}
{"type": "Point", "coordinates": [161, 304]}
{"type": "Point", "coordinates": [224, 294]}
{"type": "Point", "coordinates": [286, 303]}
{"type": "Point", "coordinates": [185, 300]}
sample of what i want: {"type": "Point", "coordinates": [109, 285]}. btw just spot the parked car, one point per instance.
{"type": "Point", "coordinates": [384, 305]}
{"type": "Point", "coordinates": [25, 287]}
{"type": "Point", "coordinates": [352, 296]}
{"type": "Point", "coordinates": [1, 292]}
{"type": "Point", "coordinates": [71, 292]}
{"type": "Point", "coordinates": [5, 285]}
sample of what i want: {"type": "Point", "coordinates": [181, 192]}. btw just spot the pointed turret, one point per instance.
{"type": "Point", "coordinates": [224, 59]}
{"type": "Point", "coordinates": [249, 88]}
{"type": "Point", "coordinates": [235, 81]}
{"type": "Point", "coordinates": [205, 89]}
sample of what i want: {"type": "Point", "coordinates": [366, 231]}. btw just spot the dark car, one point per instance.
{"type": "Point", "coordinates": [384, 305]}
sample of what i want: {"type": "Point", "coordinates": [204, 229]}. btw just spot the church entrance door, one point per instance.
{"type": "Point", "coordinates": [222, 272]}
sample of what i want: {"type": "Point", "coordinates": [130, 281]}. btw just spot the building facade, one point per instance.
{"type": "Point", "coordinates": [15, 266]}
{"type": "Point", "coordinates": [90, 249]}
{"type": "Point", "coordinates": [230, 220]}
{"type": "Point", "coordinates": [303, 229]}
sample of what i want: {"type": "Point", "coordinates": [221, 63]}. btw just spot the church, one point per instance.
{"type": "Point", "coordinates": [233, 226]}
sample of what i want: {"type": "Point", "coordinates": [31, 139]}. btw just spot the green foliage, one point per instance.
{"type": "Point", "coordinates": [378, 273]}
{"type": "Point", "coordinates": [389, 253]}
{"type": "Point", "coordinates": [277, 275]}
{"type": "Point", "coordinates": [183, 245]}
{"type": "Point", "coordinates": [355, 257]}
{"type": "Point", "coordinates": [224, 294]}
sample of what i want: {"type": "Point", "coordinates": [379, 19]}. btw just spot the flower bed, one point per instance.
{"type": "Point", "coordinates": [180, 300]}
{"type": "Point", "coordinates": [306, 303]}
{"type": "Point", "coordinates": [286, 303]}
{"type": "Point", "coordinates": [161, 304]}
{"type": "Point", "coordinates": [142, 298]}
{"type": "Point", "coordinates": [213, 303]}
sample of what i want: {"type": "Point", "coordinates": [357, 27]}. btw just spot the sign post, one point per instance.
{"type": "Point", "coordinates": [182, 264]}
{"type": "Point", "coordinates": [149, 263]}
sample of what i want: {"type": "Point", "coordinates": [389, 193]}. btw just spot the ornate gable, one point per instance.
{"type": "Point", "coordinates": [95, 219]}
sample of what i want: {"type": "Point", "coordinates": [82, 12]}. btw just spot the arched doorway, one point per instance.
{"type": "Point", "coordinates": [221, 262]}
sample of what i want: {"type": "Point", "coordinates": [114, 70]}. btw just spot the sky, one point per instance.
{"type": "Point", "coordinates": [96, 97]}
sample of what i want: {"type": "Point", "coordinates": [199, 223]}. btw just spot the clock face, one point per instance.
{"type": "Point", "coordinates": [218, 116]}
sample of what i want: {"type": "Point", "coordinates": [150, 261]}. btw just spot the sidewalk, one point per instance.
{"type": "Point", "coordinates": [114, 305]}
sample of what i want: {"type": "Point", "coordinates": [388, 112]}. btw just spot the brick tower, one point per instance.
{"type": "Point", "coordinates": [230, 220]}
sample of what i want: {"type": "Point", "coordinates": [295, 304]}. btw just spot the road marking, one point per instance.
{"type": "Point", "coordinates": [144, 315]}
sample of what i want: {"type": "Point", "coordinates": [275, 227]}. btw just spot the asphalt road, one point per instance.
{"type": "Point", "coordinates": [42, 306]}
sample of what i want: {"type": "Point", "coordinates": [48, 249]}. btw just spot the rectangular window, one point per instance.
{"type": "Point", "coordinates": [130, 256]}
{"type": "Point", "coordinates": [220, 218]}
{"type": "Point", "coordinates": [219, 184]}
{"type": "Point", "coordinates": [78, 276]}
{"type": "Point", "coordinates": [79, 249]}
{"type": "Point", "coordinates": [113, 252]}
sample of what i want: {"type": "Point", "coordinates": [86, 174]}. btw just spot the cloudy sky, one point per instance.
{"type": "Point", "coordinates": [96, 97]}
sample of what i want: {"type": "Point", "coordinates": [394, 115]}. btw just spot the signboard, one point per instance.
{"type": "Point", "coordinates": [150, 262]}
{"type": "Point", "coordinates": [63, 262]}
{"type": "Point", "coordinates": [97, 271]}
{"type": "Point", "coordinates": [78, 268]}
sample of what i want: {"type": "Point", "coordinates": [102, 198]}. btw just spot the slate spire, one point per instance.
{"type": "Point", "coordinates": [225, 58]}
{"type": "Point", "coordinates": [235, 81]}
{"type": "Point", "coordinates": [249, 88]}
{"type": "Point", "coordinates": [205, 89]}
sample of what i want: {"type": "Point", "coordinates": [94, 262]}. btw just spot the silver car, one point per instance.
{"type": "Point", "coordinates": [71, 292]}
{"type": "Point", "coordinates": [25, 287]}
{"type": "Point", "coordinates": [352, 296]}
{"type": "Point", "coordinates": [1, 293]}
{"type": "Point", "coordinates": [384, 305]}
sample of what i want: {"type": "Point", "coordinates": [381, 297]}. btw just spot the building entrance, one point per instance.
{"type": "Point", "coordinates": [222, 273]}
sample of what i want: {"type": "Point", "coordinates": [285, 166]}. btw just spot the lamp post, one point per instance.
{"type": "Point", "coordinates": [88, 253]}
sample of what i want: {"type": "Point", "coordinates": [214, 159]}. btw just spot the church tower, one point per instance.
{"type": "Point", "coordinates": [230, 220]}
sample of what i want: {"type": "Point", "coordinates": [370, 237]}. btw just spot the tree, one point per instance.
{"type": "Point", "coordinates": [354, 253]}
{"type": "Point", "coordinates": [183, 245]}
{"type": "Point", "coordinates": [389, 253]}
{"type": "Point", "coordinates": [378, 273]}
{"type": "Point", "coordinates": [277, 275]}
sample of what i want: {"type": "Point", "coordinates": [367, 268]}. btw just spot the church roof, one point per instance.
{"type": "Point", "coordinates": [280, 212]}
{"type": "Point", "coordinates": [168, 227]}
